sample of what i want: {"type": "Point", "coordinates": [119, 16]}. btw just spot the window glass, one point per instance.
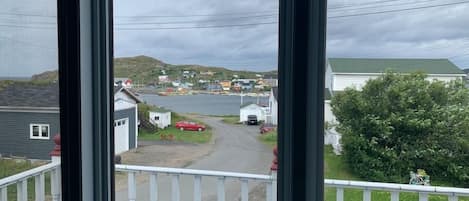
{"type": "Point", "coordinates": [45, 131]}
{"type": "Point", "coordinates": [29, 97]}
{"type": "Point", "coordinates": [36, 131]}
{"type": "Point", "coordinates": [211, 64]}
{"type": "Point", "coordinates": [397, 98]}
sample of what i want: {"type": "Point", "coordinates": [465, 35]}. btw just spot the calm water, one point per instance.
{"type": "Point", "coordinates": [202, 104]}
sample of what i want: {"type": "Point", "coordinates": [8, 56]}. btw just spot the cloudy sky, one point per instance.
{"type": "Point", "coordinates": [241, 34]}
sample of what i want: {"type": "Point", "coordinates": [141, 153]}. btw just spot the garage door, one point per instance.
{"type": "Point", "coordinates": [121, 135]}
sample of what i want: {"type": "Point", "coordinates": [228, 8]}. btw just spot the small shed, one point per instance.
{"type": "Point", "coordinates": [251, 109]}
{"type": "Point", "coordinates": [160, 117]}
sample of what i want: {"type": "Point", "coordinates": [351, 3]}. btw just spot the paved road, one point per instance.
{"type": "Point", "coordinates": [237, 150]}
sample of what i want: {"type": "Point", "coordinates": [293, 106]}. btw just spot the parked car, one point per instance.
{"type": "Point", "coordinates": [252, 120]}
{"type": "Point", "coordinates": [265, 128]}
{"type": "Point", "coordinates": [189, 126]}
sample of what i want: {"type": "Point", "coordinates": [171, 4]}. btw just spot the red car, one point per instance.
{"type": "Point", "coordinates": [265, 128]}
{"type": "Point", "coordinates": [189, 126]}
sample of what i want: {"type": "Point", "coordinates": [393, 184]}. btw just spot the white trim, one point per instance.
{"type": "Point", "coordinates": [442, 75]}
{"type": "Point", "coordinates": [54, 110]}
{"type": "Point", "coordinates": [40, 137]}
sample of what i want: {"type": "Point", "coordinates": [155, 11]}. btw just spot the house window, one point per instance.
{"type": "Point", "coordinates": [157, 118]}
{"type": "Point", "coordinates": [40, 131]}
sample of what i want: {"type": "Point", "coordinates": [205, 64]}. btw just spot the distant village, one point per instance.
{"type": "Point", "coordinates": [203, 82]}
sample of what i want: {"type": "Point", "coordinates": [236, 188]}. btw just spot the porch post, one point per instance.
{"type": "Point", "coordinates": [273, 171]}
{"type": "Point", "coordinates": [55, 178]}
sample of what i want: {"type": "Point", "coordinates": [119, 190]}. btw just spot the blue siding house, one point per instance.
{"type": "Point", "coordinates": [29, 119]}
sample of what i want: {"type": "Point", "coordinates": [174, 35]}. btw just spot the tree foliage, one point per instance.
{"type": "Point", "coordinates": [400, 123]}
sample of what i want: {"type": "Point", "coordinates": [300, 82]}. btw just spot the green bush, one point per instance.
{"type": "Point", "coordinates": [400, 123]}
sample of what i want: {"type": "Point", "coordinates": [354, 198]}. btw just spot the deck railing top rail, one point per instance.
{"type": "Point", "coordinates": [28, 174]}
{"type": "Point", "coordinates": [180, 171]}
{"type": "Point", "coordinates": [397, 187]}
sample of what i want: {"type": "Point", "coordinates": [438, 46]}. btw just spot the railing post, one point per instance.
{"type": "Point", "coordinates": [22, 190]}
{"type": "Point", "coordinates": [3, 194]}
{"type": "Point", "coordinates": [423, 197]}
{"type": "Point", "coordinates": [244, 190]}
{"type": "Point", "coordinates": [221, 189]}
{"type": "Point", "coordinates": [395, 196]}
{"type": "Point", "coordinates": [453, 198]}
{"type": "Point", "coordinates": [176, 194]}
{"type": "Point", "coordinates": [197, 191]}
{"type": "Point", "coordinates": [153, 187]}
{"type": "Point", "coordinates": [274, 169]}
{"type": "Point", "coordinates": [366, 195]}
{"type": "Point", "coordinates": [39, 187]}
{"type": "Point", "coordinates": [132, 187]}
{"type": "Point", "coordinates": [55, 175]}
{"type": "Point", "coordinates": [340, 194]}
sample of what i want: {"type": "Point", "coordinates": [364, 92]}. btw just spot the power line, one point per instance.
{"type": "Point", "coordinates": [198, 15]}
{"type": "Point", "coordinates": [198, 27]}
{"type": "Point", "coordinates": [28, 15]}
{"type": "Point", "coordinates": [381, 6]}
{"type": "Point", "coordinates": [199, 21]}
{"type": "Point", "coordinates": [28, 27]}
{"type": "Point", "coordinates": [397, 10]}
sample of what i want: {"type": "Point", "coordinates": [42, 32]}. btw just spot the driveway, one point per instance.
{"type": "Point", "coordinates": [236, 149]}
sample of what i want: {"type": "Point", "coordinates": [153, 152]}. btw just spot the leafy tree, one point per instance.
{"type": "Point", "coordinates": [401, 123]}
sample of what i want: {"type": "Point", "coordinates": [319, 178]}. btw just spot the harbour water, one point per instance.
{"type": "Point", "coordinates": [202, 103]}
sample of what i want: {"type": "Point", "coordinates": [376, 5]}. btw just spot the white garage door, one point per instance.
{"type": "Point", "coordinates": [121, 135]}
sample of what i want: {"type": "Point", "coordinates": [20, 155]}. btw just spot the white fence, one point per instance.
{"type": "Point", "coordinates": [453, 194]}
{"type": "Point", "coordinates": [175, 173]}
{"type": "Point", "coordinates": [21, 182]}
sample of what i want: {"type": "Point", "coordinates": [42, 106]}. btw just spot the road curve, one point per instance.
{"type": "Point", "coordinates": [236, 149]}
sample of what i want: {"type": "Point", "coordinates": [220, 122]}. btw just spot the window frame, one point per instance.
{"type": "Point", "coordinates": [40, 136]}
{"type": "Point", "coordinates": [85, 30]}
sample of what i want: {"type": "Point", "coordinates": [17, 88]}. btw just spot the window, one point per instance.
{"type": "Point", "coordinates": [157, 118]}
{"type": "Point", "coordinates": [39, 131]}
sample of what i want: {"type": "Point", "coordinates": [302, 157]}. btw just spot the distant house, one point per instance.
{"type": "Point", "coordinates": [163, 79]}
{"type": "Point", "coordinates": [123, 81]}
{"type": "Point", "coordinates": [272, 82]}
{"type": "Point", "coordinates": [351, 72]}
{"type": "Point", "coordinates": [214, 88]}
{"type": "Point", "coordinates": [273, 106]}
{"type": "Point", "coordinates": [226, 85]}
{"type": "Point", "coordinates": [29, 118]}
{"type": "Point", "coordinates": [252, 109]}
{"type": "Point", "coordinates": [207, 73]}
{"type": "Point", "coordinates": [160, 117]}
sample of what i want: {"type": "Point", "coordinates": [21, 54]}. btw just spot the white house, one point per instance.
{"type": "Point", "coordinates": [272, 117]}
{"type": "Point", "coordinates": [160, 117]}
{"type": "Point", "coordinates": [125, 120]}
{"type": "Point", "coordinates": [252, 109]}
{"type": "Point", "coordinates": [353, 72]}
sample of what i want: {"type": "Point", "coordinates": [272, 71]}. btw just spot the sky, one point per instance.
{"type": "Point", "coordinates": [242, 34]}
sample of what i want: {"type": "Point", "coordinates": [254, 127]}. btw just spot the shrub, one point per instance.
{"type": "Point", "coordinates": [399, 123]}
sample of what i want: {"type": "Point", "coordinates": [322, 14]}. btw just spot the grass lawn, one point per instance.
{"type": "Point", "coordinates": [9, 167]}
{"type": "Point", "coordinates": [269, 138]}
{"type": "Point", "coordinates": [178, 135]}
{"type": "Point", "coordinates": [231, 119]}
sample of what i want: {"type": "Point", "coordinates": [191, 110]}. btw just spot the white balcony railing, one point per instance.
{"type": "Point", "coordinates": [21, 182]}
{"type": "Point", "coordinates": [453, 194]}
{"type": "Point", "coordinates": [175, 173]}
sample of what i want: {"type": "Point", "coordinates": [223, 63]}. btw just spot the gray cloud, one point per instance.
{"type": "Point", "coordinates": [425, 33]}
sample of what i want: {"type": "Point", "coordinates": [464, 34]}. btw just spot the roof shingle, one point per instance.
{"type": "Point", "coordinates": [358, 65]}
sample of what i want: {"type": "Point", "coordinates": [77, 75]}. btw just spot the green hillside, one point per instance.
{"type": "Point", "coordinates": [144, 69]}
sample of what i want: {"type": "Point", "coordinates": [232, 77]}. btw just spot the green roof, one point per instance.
{"type": "Point", "coordinates": [429, 66]}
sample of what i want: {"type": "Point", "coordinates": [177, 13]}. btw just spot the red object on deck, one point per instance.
{"type": "Point", "coordinates": [274, 166]}
{"type": "Point", "coordinates": [57, 149]}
